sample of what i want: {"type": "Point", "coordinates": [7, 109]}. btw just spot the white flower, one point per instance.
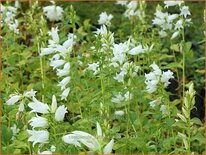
{"type": "Point", "coordinates": [108, 148]}
{"type": "Point", "coordinates": [118, 98]}
{"type": "Point", "coordinates": [162, 33]}
{"type": "Point", "coordinates": [166, 76]}
{"type": "Point", "coordinates": [15, 131]}
{"type": "Point", "coordinates": [71, 139]}
{"type": "Point", "coordinates": [155, 102]}
{"type": "Point", "coordinates": [87, 139]}
{"type": "Point", "coordinates": [45, 152]}
{"type": "Point", "coordinates": [94, 67]}
{"type": "Point", "coordinates": [121, 2]}
{"type": "Point", "coordinates": [105, 19]}
{"type": "Point", "coordinates": [120, 77]}
{"type": "Point", "coordinates": [38, 106]}
{"type": "Point", "coordinates": [157, 71]}
{"type": "Point", "coordinates": [53, 148]}
{"type": "Point", "coordinates": [46, 51]}
{"type": "Point", "coordinates": [53, 13]}
{"type": "Point", "coordinates": [57, 63]}
{"type": "Point", "coordinates": [41, 136]}
{"type": "Point", "coordinates": [101, 31]}
{"type": "Point", "coordinates": [119, 113]}
{"type": "Point", "coordinates": [64, 82]}
{"type": "Point", "coordinates": [65, 71]}
{"type": "Point", "coordinates": [175, 34]}
{"type": "Point", "coordinates": [164, 109]}
{"type": "Point", "coordinates": [128, 96]}
{"type": "Point", "coordinates": [99, 130]}
{"type": "Point", "coordinates": [185, 11]}
{"type": "Point", "coordinates": [136, 50]}
{"type": "Point", "coordinates": [21, 107]}
{"type": "Point", "coordinates": [54, 34]}
{"type": "Point", "coordinates": [13, 99]}
{"type": "Point", "coordinates": [60, 113]}
{"type": "Point", "coordinates": [54, 104]}
{"type": "Point", "coordinates": [14, 26]}
{"type": "Point", "coordinates": [65, 93]}
{"type": "Point", "coordinates": [30, 93]}
{"type": "Point", "coordinates": [38, 122]}
{"type": "Point", "coordinates": [179, 24]}
{"type": "Point", "coordinates": [172, 3]}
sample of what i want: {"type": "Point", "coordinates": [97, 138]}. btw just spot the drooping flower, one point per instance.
{"type": "Point", "coordinates": [38, 106]}
{"type": "Point", "coordinates": [57, 63]}
{"type": "Point", "coordinates": [41, 136]}
{"type": "Point", "coordinates": [60, 113]}
{"type": "Point", "coordinates": [136, 50]}
{"type": "Point", "coordinates": [94, 67]}
{"type": "Point", "coordinates": [13, 99]}
{"type": "Point", "coordinates": [175, 34]}
{"type": "Point", "coordinates": [164, 109]}
{"type": "Point", "coordinates": [71, 139]}
{"type": "Point", "coordinates": [64, 82]}
{"type": "Point", "coordinates": [38, 121]}
{"type": "Point", "coordinates": [65, 93]}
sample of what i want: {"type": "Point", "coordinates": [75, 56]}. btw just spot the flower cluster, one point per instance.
{"type": "Point", "coordinates": [156, 76]}
{"type": "Point", "coordinates": [8, 14]}
{"type": "Point", "coordinates": [171, 22]}
{"type": "Point", "coordinates": [59, 58]}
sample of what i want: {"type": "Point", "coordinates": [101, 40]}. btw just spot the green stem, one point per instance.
{"type": "Point", "coordinates": [42, 69]}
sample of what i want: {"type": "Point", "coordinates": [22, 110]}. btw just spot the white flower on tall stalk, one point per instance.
{"type": "Point", "coordinates": [30, 93]}
{"type": "Point", "coordinates": [45, 152]}
{"type": "Point", "coordinates": [15, 131]}
{"type": "Point", "coordinates": [185, 11]}
{"type": "Point", "coordinates": [94, 67]}
{"type": "Point", "coordinates": [175, 34]}
{"type": "Point", "coordinates": [54, 34]}
{"type": "Point", "coordinates": [53, 13]}
{"type": "Point", "coordinates": [128, 96]}
{"type": "Point", "coordinates": [102, 31]}
{"type": "Point", "coordinates": [136, 50]}
{"type": "Point", "coordinates": [172, 3]}
{"type": "Point", "coordinates": [60, 113]}
{"type": "Point", "coordinates": [120, 77]}
{"type": "Point", "coordinates": [54, 104]}
{"type": "Point", "coordinates": [46, 51]}
{"type": "Point", "coordinates": [162, 34]}
{"type": "Point", "coordinates": [104, 19]}
{"type": "Point", "coordinates": [65, 71]}
{"type": "Point", "coordinates": [77, 137]}
{"type": "Point", "coordinates": [179, 24]}
{"type": "Point", "coordinates": [65, 93]}
{"type": "Point", "coordinates": [57, 63]}
{"type": "Point", "coordinates": [166, 76]}
{"type": "Point", "coordinates": [38, 121]}
{"type": "Point", "coordinates": [14, 26]}
{"type": "Point", "coordinates": [13, 99]}
{"type": "Point", "coordinates": [38, 106]}
{"type": "Point", "coordinates": [64, 82]}
{"type": "Point", "coordinates": [119, 113]}
{"type": "Point", "coordinates": [41, 136]}
{"type": "Point", "coordinates": [118, 98]}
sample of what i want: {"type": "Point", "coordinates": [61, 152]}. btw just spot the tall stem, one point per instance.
{"type": "Point", "coordinates": [42, 69]}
